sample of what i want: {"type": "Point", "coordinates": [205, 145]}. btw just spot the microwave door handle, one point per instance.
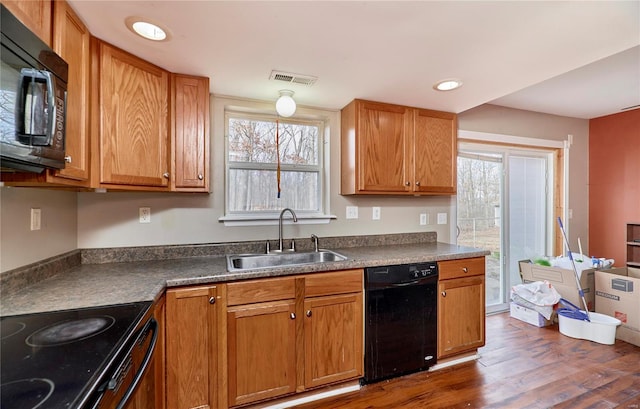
{"type": "Point", "coordinates": [51, 103]}
{"type": "Point", "coordinates": [152, 325]}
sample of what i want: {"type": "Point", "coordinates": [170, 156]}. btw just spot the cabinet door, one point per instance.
{"type": "Point", "coordinates": [190, 125]}
{"type": "Point", "coordinates": [134, 143]}
{"type": "Point", "coordinates": [71, 41]}
{"type": "Point", "coordinates": [461, 315]}
{"type": "Point", "coordinates": [34, 14]}
{"type": "Point", "coordinates": [333, 337]}
{"type": "Point", "coordinates": [382, 136]}
{"type": "Point", "coordinates": [191, 348]}
{"type": "Point", "coordinates": [434, 152]}
{"type": "Point", "coordinates": [261, 351]}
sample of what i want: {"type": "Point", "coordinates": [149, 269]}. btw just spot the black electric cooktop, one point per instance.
{"type": "Point", "coordinates": [54, 359]}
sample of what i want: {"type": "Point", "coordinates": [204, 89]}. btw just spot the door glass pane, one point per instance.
{"type": "Point", "coordinates": [527, 210]}
{"type": "Point", "coordinates": [479, 215]}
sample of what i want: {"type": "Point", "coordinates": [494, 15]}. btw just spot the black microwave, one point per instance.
{"type": "Point", "coordinates": [33, 99]}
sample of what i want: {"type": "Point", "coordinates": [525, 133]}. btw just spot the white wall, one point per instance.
{"type": "Point", "coordinates": [19, 245]}
{"type": "Point", "coordinates": [507, 121]}
{"type": "Point", "coordinates": [111, 219]}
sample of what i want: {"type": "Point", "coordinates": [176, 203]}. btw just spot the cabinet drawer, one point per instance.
{"type": "Point", "coordinates": [339, 282]}
{"type": "Point", "coordinates": [255, 291]}
{"type": "Point", "coordinates": [465, 267]}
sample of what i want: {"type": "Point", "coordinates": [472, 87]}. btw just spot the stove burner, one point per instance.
{"type": "Point", "coordinates": [70, 331]}
{"type": "Point", "coordinates": [9, 328]}
{"type": "Point", "coordinates": [26, 393]}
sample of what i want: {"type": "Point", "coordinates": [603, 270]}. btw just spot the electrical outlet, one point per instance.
{"type": "Point", "coordinates": [424, 219]}
{"type": "Point", "coordinates": [442, 218]}
{"type": "Point", "coordinates": [352, 212]}
{"type": "Point", "coordinates": [375, 213]}
{"type": "Point", "coordinates": [145, 214]}
{"type": "Point", "coordinates": [36, 218]}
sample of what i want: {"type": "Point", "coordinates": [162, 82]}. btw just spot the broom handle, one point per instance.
{"type": "Point", "coordinates": [575, 270]}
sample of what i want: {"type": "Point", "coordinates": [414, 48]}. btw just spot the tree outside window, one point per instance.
{"type": "Point", "coordinates": [252, 161]}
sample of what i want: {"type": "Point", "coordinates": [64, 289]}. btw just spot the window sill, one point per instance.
{"type": "Point", "coordinates": [272, 220]}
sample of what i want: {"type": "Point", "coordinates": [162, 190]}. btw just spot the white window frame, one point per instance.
{"type": "Point", "coordinates": [248, 218]}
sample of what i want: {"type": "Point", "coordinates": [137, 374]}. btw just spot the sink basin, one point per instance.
{"type": "Point", "coordinates": [241, 262]}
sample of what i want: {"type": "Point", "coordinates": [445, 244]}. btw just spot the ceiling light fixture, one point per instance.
{"type": "Point", "coordinates": [448, 84]}
{"type": "Point", "coordinates": [146, 29]}
{"type": "Point", "coordinates": [285, 105]}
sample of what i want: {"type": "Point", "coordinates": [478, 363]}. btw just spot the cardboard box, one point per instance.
{"type": "Point", "coordinates": [618, 295]}
{"type": "Point", "coordinates": [528, 315]}
{"type": "Point", "coordinates": [563, 281]}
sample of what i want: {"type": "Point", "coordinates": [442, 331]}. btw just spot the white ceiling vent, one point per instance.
{"type": "Point", "coordinates": [293, 78]}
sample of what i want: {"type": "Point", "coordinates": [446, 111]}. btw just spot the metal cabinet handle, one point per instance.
{"type": "Point", "coordinates": [444, 293]}
{"type": "Point", "coordinates": [165, 175]}
{"type": "Point", "coordinates": [293, 315]}
{"type": "Point", "coordinates": [200, 177]}
{"type": "Point", "coordinates": [418, 183]}
{"type": "Point", "coordinates": [465, 270]}
{"type": "Point", "coordinates": [407, 183]}
{"type": "Point", "coordinates": [308, 313]}
{"type": "Point", "coordinates": [67, 159]}
{"type": "Point", "coordinates": [212, 300]}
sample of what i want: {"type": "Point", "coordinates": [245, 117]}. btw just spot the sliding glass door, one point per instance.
{"type": "Point", "coordinates": [505, 206]}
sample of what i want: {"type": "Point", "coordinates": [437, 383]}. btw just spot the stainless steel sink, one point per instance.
{"type": "Point", "coordinates": [239, 262]}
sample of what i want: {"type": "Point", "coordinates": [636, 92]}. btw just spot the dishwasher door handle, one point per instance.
{"type": "Point", "coordinates": [414, 282]}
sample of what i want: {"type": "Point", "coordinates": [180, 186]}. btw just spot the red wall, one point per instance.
{"type": "Point", "coordinates": [614, 182]}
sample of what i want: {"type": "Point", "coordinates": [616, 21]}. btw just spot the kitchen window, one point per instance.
{"type": "Point", "coordinates": [253, 142]}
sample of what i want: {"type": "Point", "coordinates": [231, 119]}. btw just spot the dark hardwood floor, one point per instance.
{"type": "Point", "coordinates": [521, 366]}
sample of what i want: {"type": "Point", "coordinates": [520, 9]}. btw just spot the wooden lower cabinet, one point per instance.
{"type": "Point", "coordinates": [191, 348]}
{"type": "Point", "coordinates": [261, 342]}
{"type": "Point", "coordinates": [333, 334]}
{"type": "Point", "coordinates": [461, 306]}
{"type": "Point", "coordinates": [262, 339]}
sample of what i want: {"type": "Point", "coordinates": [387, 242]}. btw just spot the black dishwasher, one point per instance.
{"type": "Point", "coordinates": [400, 319]}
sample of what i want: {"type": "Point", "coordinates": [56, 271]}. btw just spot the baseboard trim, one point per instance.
{"type": "Point", "coordinates": [312, 397]}
{"type": "Point", "coordinates": [453, 362]}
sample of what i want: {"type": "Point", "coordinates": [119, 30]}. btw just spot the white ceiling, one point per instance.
{"type": "Point", "coordinates": [570, 58]}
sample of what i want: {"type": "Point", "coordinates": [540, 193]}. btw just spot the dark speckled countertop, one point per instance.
{"type": "Point", "coordinates": [109, 283]}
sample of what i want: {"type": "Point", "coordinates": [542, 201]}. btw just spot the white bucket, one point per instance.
{"type": "Point", "coordinates": [601, 328]}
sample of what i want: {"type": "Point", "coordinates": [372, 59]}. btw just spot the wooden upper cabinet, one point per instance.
{"type": "Point", "coordinates": [71, 41]}
{"type": "Point", "coordinates": [435, 152]}
{"type": "Point", "coordinates": [374, 138]}
{"type": "Point", "coordinates": [394, 149]}
{"type": "Point", "coordinates": [35, 14]}
{"type": "Point", "coordinates": [133, 121]}
{"type": "Point", "coordinates": [190, 133]}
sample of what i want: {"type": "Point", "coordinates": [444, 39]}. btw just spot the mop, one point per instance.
{"type": "Point", "coordinates": [580, 315]}
{"type": "Point", "coordinates": [576, 323]}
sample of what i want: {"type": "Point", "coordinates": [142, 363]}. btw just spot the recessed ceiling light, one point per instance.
{"type": "Point", "coordinates": [146, 29]}
{"type": "Point", "coordinates": [448, 85]}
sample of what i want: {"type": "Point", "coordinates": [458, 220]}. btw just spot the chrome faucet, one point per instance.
{"type": "Point", "coordinates": [314, 238]}
{"type": "Point", "coordinates": [295, 220]}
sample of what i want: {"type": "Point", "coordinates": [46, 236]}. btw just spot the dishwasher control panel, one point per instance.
{"type": "Point", "coordinates": [401, 273]}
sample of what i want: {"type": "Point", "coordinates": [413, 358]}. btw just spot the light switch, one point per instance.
{"type": "Point", "coordinates": [442, 218]}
